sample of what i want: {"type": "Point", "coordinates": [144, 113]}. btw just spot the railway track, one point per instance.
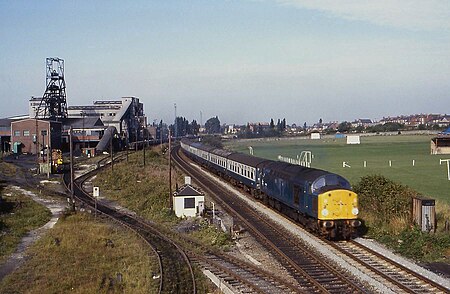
{"type": "Point", "coordinates": [311, 272]}
{"type": "Point", "coordinates": [176, 273]}
{"type": "Point", "coordinates": [241, 276]}
{"type": "Point", "coordinates": [395, 276]}
{"type": "Point", "coordinates": [399, 276]}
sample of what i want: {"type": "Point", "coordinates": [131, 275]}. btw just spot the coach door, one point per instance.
{"type": "Point", "coordinates": [296, 196]}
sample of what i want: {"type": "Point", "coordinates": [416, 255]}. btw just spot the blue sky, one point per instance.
{"type": "Point", "coordinates": [242, 60]}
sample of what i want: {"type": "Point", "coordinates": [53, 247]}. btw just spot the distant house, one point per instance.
{"type": "Point", "coordinates": [362, 122]}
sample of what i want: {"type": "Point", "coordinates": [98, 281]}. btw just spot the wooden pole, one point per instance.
{"type": "Point", "coordinates": [37, 145]}
{"type": "Point", "coordinates": [111, 150]}
{"type": "Point", "coordinates": [170, 171]}
{"type": "Point", "coordinates": [49, 150]}
{"type": "Point", "coordinates": [126, 144]}
{"type": "Point", "coordinates": [71, 168]}
{"type": "Point", "coordinates": [143, 148]}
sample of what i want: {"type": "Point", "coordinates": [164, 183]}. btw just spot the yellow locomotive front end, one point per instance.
{"type": "Point", "coordinates": [338, 213]}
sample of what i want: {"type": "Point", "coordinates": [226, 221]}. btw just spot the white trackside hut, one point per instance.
{"type": "Point", "coordinates": [188, 201]}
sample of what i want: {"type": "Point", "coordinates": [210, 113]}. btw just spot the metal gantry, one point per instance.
{"type": "Point", "coordinates": [53, 104]}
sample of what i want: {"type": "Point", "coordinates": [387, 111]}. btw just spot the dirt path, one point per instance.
{"type": "Point", "coordinates": [18, 257]}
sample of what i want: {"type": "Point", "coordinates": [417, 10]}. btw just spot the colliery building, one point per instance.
{"type": "Point", "coordinates": [51, 122]}
{"type": "Point", "coordinates": [123, 118]}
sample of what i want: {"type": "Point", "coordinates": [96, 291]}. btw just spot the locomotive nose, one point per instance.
{"type": "Point", "coordinates": [338, 204]}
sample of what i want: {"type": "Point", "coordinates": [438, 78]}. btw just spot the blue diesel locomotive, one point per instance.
{"type": "Point", "coordinates": [320, 200]}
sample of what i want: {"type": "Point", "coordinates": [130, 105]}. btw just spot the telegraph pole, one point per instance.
{"type": "Point", "coordinates": [126, 144]}
{"type": "Point", "coordinates": [71, 168]}
{"type": "Point", "coordinates": [176, 123]}
{"type": "Point", "coordinates": [161, 135]}
{"type": "Point", "coordinates": [111, 150]}
{"type": "Point", "coordinates": [49, 150]}
{"type": "Point", "coordinates": [145, 142]}
{"type": "Point", "coordinates": [170, 170]}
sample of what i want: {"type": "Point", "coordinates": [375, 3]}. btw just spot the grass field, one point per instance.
{"type": "Point", "coordinates": [85, 255]}
{"type": "Point", "coordinates": [427, 177]}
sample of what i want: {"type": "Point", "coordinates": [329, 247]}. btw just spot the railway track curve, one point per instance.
{"type": "Point", "coordinates": [176, 273]}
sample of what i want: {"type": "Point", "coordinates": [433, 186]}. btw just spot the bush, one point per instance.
{"type": "Point", "coordinates": [385, 207]}
{"type": "Point", "coordinates": [384, 198]}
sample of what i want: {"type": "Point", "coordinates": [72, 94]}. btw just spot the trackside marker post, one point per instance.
{"type": "Point", "coordinates": [96, 194]}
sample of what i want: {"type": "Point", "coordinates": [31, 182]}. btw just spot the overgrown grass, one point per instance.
{"type": "Point", "coordinates": [19, 214]}
{"type": "Point", "coordinates": [7, 169]}
{"type": "Point", "coordinates": [143, 189]}
{"type": "Point", "coordinates": [84, 255]}
{"type": "Point", "coordinates": [212, 236]}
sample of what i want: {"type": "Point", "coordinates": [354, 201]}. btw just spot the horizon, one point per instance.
{"type": "Point", "coordinates": [241, 61]}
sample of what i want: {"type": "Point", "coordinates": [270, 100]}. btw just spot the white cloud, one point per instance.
{"type": "Point", "coordinates": [410, 14]}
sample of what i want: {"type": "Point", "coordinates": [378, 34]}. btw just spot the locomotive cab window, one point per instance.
{"type": "Point", "coordinates": [327, 182]}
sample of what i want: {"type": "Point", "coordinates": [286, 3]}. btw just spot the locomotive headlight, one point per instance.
{"type": "Point", "coordinates": [355, 211]}
{"type": "Point", "coordinates": [324, 212]}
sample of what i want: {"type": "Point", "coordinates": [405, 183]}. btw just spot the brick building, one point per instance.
{"type": "Point", "coordinates": [23, 135]}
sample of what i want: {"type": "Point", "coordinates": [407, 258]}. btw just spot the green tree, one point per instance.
{"type": "Point", "coordinates": [212, 125]}
{"type": "Point", "coordinates": [272, 124]}
{"type": "Point", "coordinates": [344, 127]}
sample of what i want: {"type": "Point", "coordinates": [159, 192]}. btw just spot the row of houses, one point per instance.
{"type": "Point", "coordinates": [441, 120]}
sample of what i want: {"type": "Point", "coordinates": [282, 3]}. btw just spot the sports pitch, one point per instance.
{"type": "Point", "coordinates": [427, 176]}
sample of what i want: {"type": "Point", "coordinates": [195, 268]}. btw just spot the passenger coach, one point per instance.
{"type": "Point", "coordinates": [320, 200]}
